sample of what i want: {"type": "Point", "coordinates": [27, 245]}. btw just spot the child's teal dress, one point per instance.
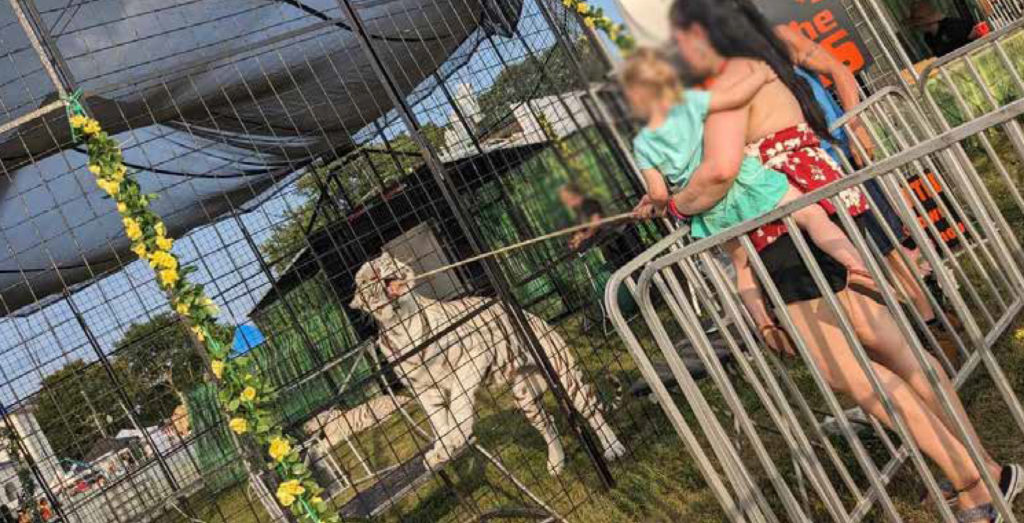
{"type": "Point", "coordinates": [676, 149]}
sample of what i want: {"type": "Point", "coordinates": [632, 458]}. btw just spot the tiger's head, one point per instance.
{"type": "Point", "coordinates": [381, 286]}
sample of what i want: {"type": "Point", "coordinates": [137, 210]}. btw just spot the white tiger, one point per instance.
{"type": "Point", "coordinates": [337, 426]}
{"type": "Point", "coordinates": [446, 375]}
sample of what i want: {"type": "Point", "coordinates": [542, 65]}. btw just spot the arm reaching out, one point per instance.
{"type": "Point", "coordinates": [811, 56]}
{"type": "Point", "coordinates": [739, 94]}
{"type": "Point", "coordinates": [656, 199]}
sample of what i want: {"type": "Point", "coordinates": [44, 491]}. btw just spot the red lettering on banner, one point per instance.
{"type": "Point", "coordinates": [946, 225]}
{"type": "Point", "coordinates": [825, 21]}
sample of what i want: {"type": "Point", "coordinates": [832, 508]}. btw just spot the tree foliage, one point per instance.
{"type": "Point", "coordinates": [381, 164]}
{"type": "Point", "coordinates": [352, 180]}
{"type": "Point", "coordinates": [154, 363]}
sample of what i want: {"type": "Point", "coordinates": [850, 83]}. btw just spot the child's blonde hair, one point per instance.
{"type": "Point", "coordinates": [650, 68]}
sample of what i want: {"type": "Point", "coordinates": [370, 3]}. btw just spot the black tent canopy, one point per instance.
{"type": "Point", "coordinates": [216, 101]}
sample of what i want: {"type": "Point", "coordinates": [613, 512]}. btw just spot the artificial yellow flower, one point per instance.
{"type": "Point", "coordinates": [140, 250]}
{"type": "Point", "coordinates": [217, 366]}
{"type": "Point", "coordinates": [182, 309]}
{"type": "Point", "coordinates": [208, 304]}
{"type": "Point", "coordinates": [239, 426]}
{"type": "Point", "coordinates": [582, 7]}
{"type": "Point", "coordinates": [164, 243]}
{"type": "Point", "coordinates": [160, 229]}
{"type": "Point", "coordinates": [95, 169]}
{"type": "Point", "coordinates": [589, 22]}
{"type": "Point", "coordinates": [91, 127]}
{"type": "Point", "coordinates": [120, 171]}
{"type": "Point", "coordinates": [132, 228]}
{"type": "Point", "coordinates": [163, 260]}
{"type": "Point", "coordinates": [198, 332]}
{"type": "Point", "coordinates": [567, 3]}
{"type": "Point", "coordinates": [109, 187]}
{"type": "Point", "coordinates": [122, 207]}
{"type": "Point", "coordinates": [248, 394]}
{"type": "Point", "coordinates": [1019, 335]}
{"type": "Point", "coordinates": [78, 120]}
{"type": "Point", "coordinates": [279, 448]}
{"type": "Point", "coordinates": [289, 491]}
{"type": "Point", "coordinates": [169, 277]}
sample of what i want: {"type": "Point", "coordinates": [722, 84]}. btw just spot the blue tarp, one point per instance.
{"type": "Point", "coordinates": [247, 338]}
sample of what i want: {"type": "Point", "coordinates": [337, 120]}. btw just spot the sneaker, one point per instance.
{"type": "Point", "coordinates": [1011, 482]}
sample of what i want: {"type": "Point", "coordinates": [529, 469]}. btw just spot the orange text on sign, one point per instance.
{"type": "Point", "coordinates": [825, 30]}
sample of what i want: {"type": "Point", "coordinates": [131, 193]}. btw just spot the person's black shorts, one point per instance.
{"type": "Point", "coordinates": [792, 277]}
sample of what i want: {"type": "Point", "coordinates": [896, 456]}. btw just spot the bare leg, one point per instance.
{"type": "Point", "coordinates": [747, 285]}
{"type": "Point", "coordinates": [834, 357]}
{"type": "Point", "coordinates": [877, 329]}
{"type": "Point", "coordinates": [905, 279]}
{"type": "Point", "coordinates": [828, 236]}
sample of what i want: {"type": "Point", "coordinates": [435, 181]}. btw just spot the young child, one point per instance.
{"type": "Point", "coordinates": [670, 148]}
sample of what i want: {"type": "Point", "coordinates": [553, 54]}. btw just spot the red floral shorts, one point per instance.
{"type": "Point", "coordinates": [797, 153]}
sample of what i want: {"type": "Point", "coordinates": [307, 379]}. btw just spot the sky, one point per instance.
{"type": "Point", "coordinates": [35, 345]}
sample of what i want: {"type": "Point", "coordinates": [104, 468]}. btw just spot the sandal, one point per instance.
{"type": "Point", "coordinates": [778, 339]}
{"type": "Point", "coordinates": [1011, 485]}
{"type": "Point", "coordinates": [948, 491]}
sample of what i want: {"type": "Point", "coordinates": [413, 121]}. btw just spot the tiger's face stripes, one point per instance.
{"type": "Point", "coordinates": [380, 283]}
{"type": "Point", "coordinates": [445, 375]}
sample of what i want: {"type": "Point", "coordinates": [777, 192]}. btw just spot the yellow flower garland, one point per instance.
{"type": "Point", "coordinates": [241, 394]}
{"type": "Point", "coordinates": [595, 18]}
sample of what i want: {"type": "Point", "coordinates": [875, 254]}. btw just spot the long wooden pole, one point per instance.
{"type": "Point", "coordinates": [498, 252]}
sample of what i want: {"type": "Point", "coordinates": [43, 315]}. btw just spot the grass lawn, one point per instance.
{"type": "Point", "coordinates": [656, 482]}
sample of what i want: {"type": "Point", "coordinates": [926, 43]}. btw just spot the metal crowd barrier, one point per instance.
{"type": "Point", "coordinates": [974, 80]}
{"type": "Point", "coordinates": [780, 463]}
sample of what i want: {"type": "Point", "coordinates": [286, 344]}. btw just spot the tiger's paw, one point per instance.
{"type": "Point", "coordinates": [436, 457]}
{"type": "Point", "coordinates": [614, 451]}
{"type": "Point", "coordinates": [556, 462]}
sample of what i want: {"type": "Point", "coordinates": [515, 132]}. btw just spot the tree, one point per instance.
{"type": "Point", "coordinates": [154, 364]}
{"type": "Point", "coordinates": [547, 73]}
{"type": "Point", "coordinates": [352, 180]}
{"type": "Point", "coordinates": [63, 414]}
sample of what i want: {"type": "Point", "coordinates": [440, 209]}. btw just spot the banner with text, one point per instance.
{"type": "Point", "coordinates": [826, 22]}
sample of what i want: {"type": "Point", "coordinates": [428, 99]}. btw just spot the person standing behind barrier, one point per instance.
{"type": "Point", "coordinates": [813, 60]}
{"type": "Point", "coordinates": [717, 38]}
{"type": "Point", "coordinates": [942, 34]}
{"type": "Point", "coordinates": [669, 148]}
{"type": "Point", "coordinates": [619, 244]}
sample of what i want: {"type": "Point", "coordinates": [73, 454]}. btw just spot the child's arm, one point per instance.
{"type": "Point", "coordinates": [656, 200]}
{"type": "Point", "coordinates": [741, 93]}
{"type": "Point", "coordinates": [657, 190]}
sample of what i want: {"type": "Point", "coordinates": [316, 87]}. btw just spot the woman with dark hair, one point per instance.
{"type": "Point", "coordinates": [718, 39]}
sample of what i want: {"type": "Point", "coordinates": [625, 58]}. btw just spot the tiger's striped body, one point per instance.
{"type": "Point", "coordinates": [337, 426]}
{"type": "Point", "coordinates": [446, 375]}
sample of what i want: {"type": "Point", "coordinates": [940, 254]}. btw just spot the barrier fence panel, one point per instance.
{"type": "Point", "coordinates": [829, 433]}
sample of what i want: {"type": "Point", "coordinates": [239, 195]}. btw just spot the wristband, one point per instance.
{"type": "Point", "coordinates": [674, 211]}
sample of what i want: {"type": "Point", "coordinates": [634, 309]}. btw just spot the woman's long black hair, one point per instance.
{"type": "Point", "coordinates": [737, 28]}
